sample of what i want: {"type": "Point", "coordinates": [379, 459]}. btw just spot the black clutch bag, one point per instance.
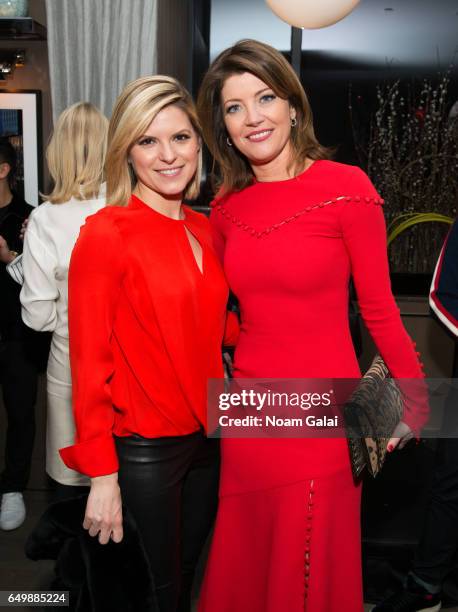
{"type": "Point", "coordinates": [371, 415]}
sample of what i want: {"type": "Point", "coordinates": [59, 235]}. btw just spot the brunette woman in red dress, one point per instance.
{"type": "Point", "coordinates": [291, 227]}
{"type": "Point", "coordinates": [147, 309]}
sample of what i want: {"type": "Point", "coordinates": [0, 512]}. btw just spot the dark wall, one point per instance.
{"type": "Point", "coordinates": [328, 87]}
{"type": "Point", "coordinates": [185, 54]}
{"type": "Point", "coordinates": [34, 75]}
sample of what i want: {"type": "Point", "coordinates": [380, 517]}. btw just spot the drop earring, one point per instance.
{"type": "Point", "coordinates": [293, 121]}
{"type": "Point", "coordinates": [229, 142]}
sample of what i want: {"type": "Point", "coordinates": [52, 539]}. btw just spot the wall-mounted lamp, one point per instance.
{"type": "Point", "coordinates": [9, 60]}
{"type": "Point", "coordinates": [311, 14]}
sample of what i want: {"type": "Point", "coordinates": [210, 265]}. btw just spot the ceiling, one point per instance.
{"type": "Point", "coordinates": [414, 33]}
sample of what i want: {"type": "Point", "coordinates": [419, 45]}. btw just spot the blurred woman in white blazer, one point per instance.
{"type": "Point", "coordinates": [75, 157]}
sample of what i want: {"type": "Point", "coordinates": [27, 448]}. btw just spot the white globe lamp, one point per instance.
{"type": "Point", "coordinates": [312, 14]}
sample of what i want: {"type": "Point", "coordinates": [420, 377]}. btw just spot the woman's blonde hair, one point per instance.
{"type": "Point", "coordinates": [76, 153]}
{"type": "Point", "coordinates": [135, 109]}
{"type": "Point", "coordinates": [269, 65]}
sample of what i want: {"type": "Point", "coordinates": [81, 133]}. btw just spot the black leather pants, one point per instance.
{"type": "Point", "coordinates": [170, 486]}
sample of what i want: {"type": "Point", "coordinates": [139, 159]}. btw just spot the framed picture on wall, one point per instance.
{"type": "Point", "coordinates": [20, 123]}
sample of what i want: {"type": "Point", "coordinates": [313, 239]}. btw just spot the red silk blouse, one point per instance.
{"type": "Point", "coordinates": [146, 328]}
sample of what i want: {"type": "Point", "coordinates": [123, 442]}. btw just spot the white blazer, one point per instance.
{"type": "Point", "coordinates": [51, 234]}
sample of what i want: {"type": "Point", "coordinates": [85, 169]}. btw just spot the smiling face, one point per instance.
{"type": "Point", "coordinates": [257, 120]}
{"type": "Point", "coordinates": [165, 157]}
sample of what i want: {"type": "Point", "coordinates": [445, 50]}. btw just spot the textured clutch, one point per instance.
{"type": "Point", "coordinates": [371, 414]}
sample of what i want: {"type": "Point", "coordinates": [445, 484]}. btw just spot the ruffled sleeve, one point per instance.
{"type": "Point", "coordinates": [95, 277]}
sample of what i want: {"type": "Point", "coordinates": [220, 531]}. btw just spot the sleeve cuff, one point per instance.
{"type": "Point", "coordinates": [14, 269]}
{"type": "Point", "coordinates": [94, 457]}
{"type": "Point", "coordinates": [416, 404]}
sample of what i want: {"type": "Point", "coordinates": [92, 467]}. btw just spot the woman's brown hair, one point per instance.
{"type": "Point", "coordinates": [269, 65]}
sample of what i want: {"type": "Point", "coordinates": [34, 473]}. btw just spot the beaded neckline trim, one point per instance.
{"type": "Point", "coordinates": [259, 234]}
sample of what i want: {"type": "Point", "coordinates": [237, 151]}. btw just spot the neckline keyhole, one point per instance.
{"type": "Point", "coordinates": [196, 249]}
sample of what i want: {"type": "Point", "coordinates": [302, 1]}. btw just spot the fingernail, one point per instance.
{"type": "Point", "coordinates": [389, 448]}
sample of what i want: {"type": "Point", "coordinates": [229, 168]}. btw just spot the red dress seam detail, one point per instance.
{"type": "Point", "coordinates": [308, 540]}
{"type": "Point", "coordinates": [259, 234]}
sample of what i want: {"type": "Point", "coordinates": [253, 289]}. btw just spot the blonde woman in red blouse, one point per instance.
{"type": "Point", "coordinates": [147, 308]}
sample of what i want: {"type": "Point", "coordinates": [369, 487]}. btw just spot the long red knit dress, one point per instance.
{"type": "Point", "coordinates": [287, 535]}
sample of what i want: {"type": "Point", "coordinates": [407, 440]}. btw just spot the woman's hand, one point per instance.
{"type": "Point", "coordinates": [401, 435]}
{"type": "Point", "coordinates": [104, 509]}
{"type": "Point", "coordinates": [6, 256]}
{"type": "Point", "coordinates": [23, 228]}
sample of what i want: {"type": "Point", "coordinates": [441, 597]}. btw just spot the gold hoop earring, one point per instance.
{"type": "Point", "coordinates": [229, 142]}
{"type": "Point", "coordinates": [293, 121]}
